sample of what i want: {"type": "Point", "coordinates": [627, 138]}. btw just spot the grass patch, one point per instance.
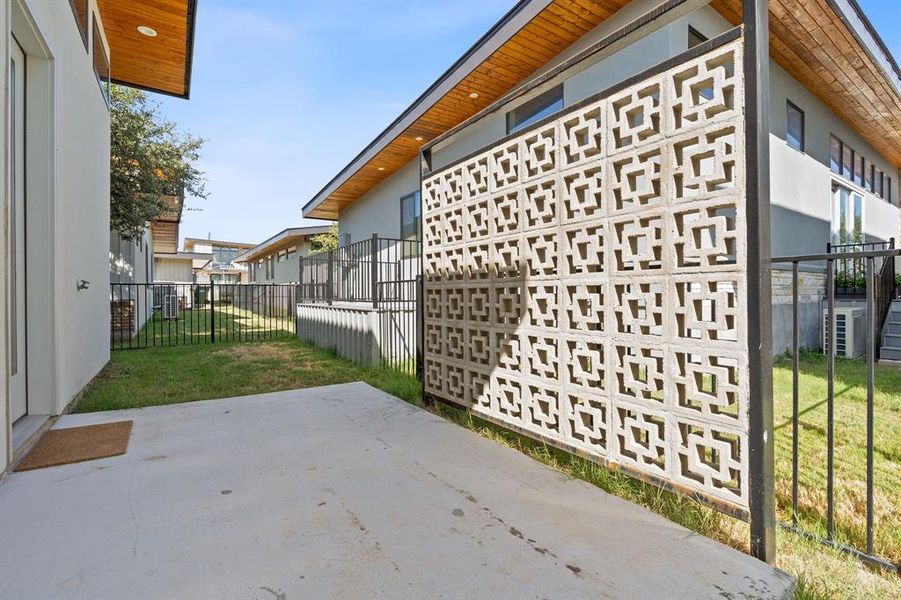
{"type": "Point", "coordinates": [169, 375]}
{"type": "Point", "coordinates": [186, 373]}
{"type": "Point", "coordinates": [195, 326]}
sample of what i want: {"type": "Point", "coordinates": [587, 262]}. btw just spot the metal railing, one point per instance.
{"type": "Point", "coordinates": [876, 295]}
{"type": "Point", "coordinates": [381, 274]}
{"type": "Point", "coordinates": [850, 273]}
{"type": "Point", "coordinates": [147, 315]}
{"type": "Point", "coordinates": [353, 273]}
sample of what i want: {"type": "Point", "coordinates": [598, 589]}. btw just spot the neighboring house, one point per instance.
{"type": "Point", "coordinates": [224, 267]}
{"type": "Point", "coordinates": [277, 260]}
{"type": "Point", "coordinates": [55, 62]}
{"type": "Point", "coordinates": [170, 265]}
{"type": "Point", "coordinates": [835, 139]}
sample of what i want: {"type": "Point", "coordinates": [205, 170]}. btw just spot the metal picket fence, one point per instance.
{"type": "Point", "coordinates": [147, 315]}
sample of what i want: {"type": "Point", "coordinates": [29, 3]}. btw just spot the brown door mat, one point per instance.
{"type": "Point", "coordinates": [77, 444]}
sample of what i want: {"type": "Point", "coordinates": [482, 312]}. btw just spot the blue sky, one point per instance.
{"type": "Point", "coordinates": [287, 92]}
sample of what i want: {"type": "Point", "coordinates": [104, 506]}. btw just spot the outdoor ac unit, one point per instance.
{"type": "Point", "coordinates": [850, 335]}
{"type": "Point", "coordinates": [170, 302]}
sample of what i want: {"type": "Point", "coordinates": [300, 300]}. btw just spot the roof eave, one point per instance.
{"type": "Point", "coordinates": [523, 12]}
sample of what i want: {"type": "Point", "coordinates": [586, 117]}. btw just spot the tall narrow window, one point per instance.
{"type": "Point", "coordinates": [858, 169]}
{"type": "Point", "coordinates": [535, 109]}
{"type": "Point", "coordinates": [835, 156]}
{"type": "Point", "coordinates": [80, 12]}
{"type": "Point", "coordinates": [101, 63]}
{"type": "Point", "coordinates": [695, 37]}
{"type": "Point", "coordinates": [410, 217]}
{"type": "Point", "coordinates": [794, 126]}
{"type": "Point", "coordinates": [847, 162]}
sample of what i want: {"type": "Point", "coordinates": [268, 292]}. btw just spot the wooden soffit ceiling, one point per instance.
{"type": "Point", "coordinates": [550, 32]}
{"type": "Point", "coordinates": [158, 64]}
{"type": "Point", "coordinates": [817, 46]}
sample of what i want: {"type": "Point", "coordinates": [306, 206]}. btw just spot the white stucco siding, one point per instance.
{"type": "Point", "coordinates": [173, 270]}
{"type": "Point", "coordinates": [67, 205]}
{"type": "Point", "coordinates": [82, 204]}
{"type": "Point", "coordinates": [4, 174]}
{"type": "Point", "coordinates": [379, 210]}
{"type": "Point", "coordinates": [801, 182]}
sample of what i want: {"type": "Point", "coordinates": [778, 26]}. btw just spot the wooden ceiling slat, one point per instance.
{"type": "Point", "coordinates": [160, 63]}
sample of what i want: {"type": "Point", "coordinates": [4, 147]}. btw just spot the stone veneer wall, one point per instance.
{"type": "Point", "coordinates": [811, 290]}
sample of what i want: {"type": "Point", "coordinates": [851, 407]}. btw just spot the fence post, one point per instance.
{"type": "Point", "coordinates": [212, 314]}
{"type": "Point", "coordinates": [374, 269]}
{"type": "Point", "coordinates": [329, 276]}
{"type": "Point", "coordinates": [299, 277]}
{"type": "Point", "coordinates": [761, 485]}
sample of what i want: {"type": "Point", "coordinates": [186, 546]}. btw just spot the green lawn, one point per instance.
{"type": "Point", "coordinates": [181, 374]}
{"type": "Point", "coordinates": [194, 326]}
{"type": "Point", "coordinates": [850, 449]}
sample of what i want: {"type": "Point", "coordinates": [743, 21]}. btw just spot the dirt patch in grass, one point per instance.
{"type": "Point", "coordinates": [256, 351]}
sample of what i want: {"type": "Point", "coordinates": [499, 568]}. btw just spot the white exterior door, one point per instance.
{"type": "Point", "coordinates": [16, 220]}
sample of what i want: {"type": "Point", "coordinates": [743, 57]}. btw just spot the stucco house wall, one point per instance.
{"type": "Point", "coordinates": [67, 212]}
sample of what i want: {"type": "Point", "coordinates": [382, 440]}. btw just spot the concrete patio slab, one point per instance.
{"type": "Point", "coordinates": [339, 492]}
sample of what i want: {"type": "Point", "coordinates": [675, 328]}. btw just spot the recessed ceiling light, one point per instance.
{"type": "Point", "coordinates": [418, 138]}
{"type": "Point", "coordinates": [148, 31]}
{"type": "Point", "coordinates": [381, 168]}
{"type": "Point", "coordinates": [473, 95]}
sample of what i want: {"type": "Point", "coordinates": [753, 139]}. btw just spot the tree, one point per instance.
{"type": "Point", "coordinates": [323, 242]}
{"type": "Point", "coordinates": [149, 159]}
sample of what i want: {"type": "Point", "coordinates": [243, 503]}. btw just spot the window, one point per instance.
{"type": "Point", "coordinates": [80, 12]}
{"type": "Point", "coordinates": [695, 37]}
{"type": "Point", "coordinates": [289, 254]}
{"type": "Point", "coordinates": [282, 256]}
{"type": "Point", "coordinates": [858, 169]}
{"type": "Point", "coordinates": [410, 218]}
{"type": "Point", "coordinates": [847, 216]}
{"type": "Point", "coordinates": [794, 126]}
{"type": "Point", "coordinates": [101, 63]}
{"type": "Point", "coordinates": [835, 160]}
{"type": "Point", "coordinates": [847, 162]}
{"type": "Point", "coordinates": [535, 109]}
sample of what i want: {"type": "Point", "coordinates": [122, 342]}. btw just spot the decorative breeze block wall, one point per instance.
{"type": "Point", "coordinates": [585, 280]}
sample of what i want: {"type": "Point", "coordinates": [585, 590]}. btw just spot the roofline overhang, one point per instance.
{"type": "Point", "coordinates": [515, 19]}
{"type": "Point", "coordinates": [184, 255]}
{"type": "Point", "coordinates": [221, 242]}
{"type": "Point", "coordinates": [189, 59]}
{"type": "Point", "coordinates": [282, 236]}
{"type": "Point", "coordinates": [850, 12]}
{"type": "Point", "coordinates": [847, 10]}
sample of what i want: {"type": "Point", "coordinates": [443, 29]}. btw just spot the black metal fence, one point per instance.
{"type": "Point", "coordinates": [353, 273]}
{"type": "Point", "coordinates": [147, 315]}
{"type": "Point", "coordinates": [820, 522]}
{"type": "Point", "coordinates": [850, 272]}
{"type": "Point", "coordinates": [380, 274]}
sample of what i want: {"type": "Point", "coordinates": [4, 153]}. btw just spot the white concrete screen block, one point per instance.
{"type": "Point", "coordinates": [585, 280]}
